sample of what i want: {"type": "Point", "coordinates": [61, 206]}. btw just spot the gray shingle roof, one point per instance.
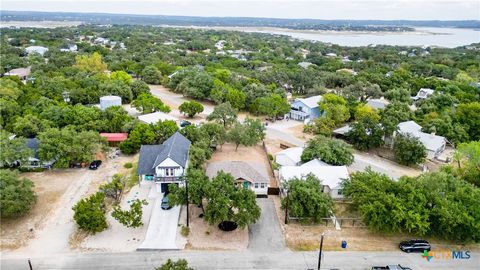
{"type": "Point", "coordinates": [238, 169]}
{"type": "Point", "coordinates": [176, 147]}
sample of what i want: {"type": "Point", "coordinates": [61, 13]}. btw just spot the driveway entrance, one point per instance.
{"type": "Point", "coordinates": [266, 233]}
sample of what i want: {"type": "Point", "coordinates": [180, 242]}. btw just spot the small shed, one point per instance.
{"type": "Point", "coordinates": [114, 139]}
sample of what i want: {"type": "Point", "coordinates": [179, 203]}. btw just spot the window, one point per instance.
{"type": "Point", "coordinates": [340, 192]}
{"type": "Point", "coordinates": [172, 171]}
{"type": "Point", "coordinates": [262, 185]}
{"type": "Point", "coordinates": [167, 172]}
{"type": "Point", "coordinates": [256, 185]}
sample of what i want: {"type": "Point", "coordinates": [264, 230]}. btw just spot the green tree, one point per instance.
{"type": "Point", "coordinates": [408, 150]}
{"type": "Point", "coordinates": [306, 199]}
{"type": "Point", "coordinates": [223, 114]}
{"type": "Point", "coordinates": [334, 107]}
{"type": "Point", "coordinates": [181, 264]}
{"type": "Point", "coordinates": [365, 134]}
{"type": "Point", "coordinates": [114, 188]}
{"type": "Point", "coordinates": [146, 103]}
{"type": "Point", "coordinates": [226, 202]}
{"type": "Point", "coordinates": [467, 157]}
{"type": "Point", "coordinates": [392, 115]}
{"type": "Point", "coordinates": [247, 134]}
{"type": "Point", "coordinates": [90, 63]}
{"type": "Point", "coordinates": [196, 85]}
{"type": "Point", "coordinates": [141, 134]}
{"type": "Point", "coordinates": [16, 195]}
{"type": "Point", "coordinates": [235, 97]}
{"type": "Point", "coordinates": [468, 115]}
{"type": "Point", "coordinates": [331, 151]}
{"type": "Point", "coordinates": [89, 213]}
{"type": "Point", "coordinates": [130, 218]}
{"type": "Point", "coordinates": [273, 106]}
{"type": "Point", "coordinates": [67, 145]}
{"type": "Point", "coordinates": [29, 126]}
{"type": "Point", "coordinates": [197, 189]}
{"type": "Point", "coordinates": [151, 75]}
{"type": "Point", "coordinates": [139, 87]}
{"type": "Point", "coordinates": [13, 150]}
{"type": "Point", "coordinates": [122, 76]}
{"type": "Point", "coordinates": [191, 108]}
{"type": "Point", "coordinates": [361, 91]}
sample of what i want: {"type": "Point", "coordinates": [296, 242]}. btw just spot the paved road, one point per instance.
{"type": "Point", "coordinates": [266, 234]}
{"type": "Point", "coordinates": [239, 260]}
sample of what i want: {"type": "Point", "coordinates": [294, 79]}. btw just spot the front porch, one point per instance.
{"type": "Point", "coordinates": [298, 115]}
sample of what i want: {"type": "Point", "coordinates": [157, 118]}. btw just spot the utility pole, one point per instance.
{"type": "Point", "coordinates": [186, 191]}
{"type": "Point", "coordinates": [320, 252]}
{"type": "Point", "coordinates": [30, 264]}
{"type": "Point", "coordinates": [286, 209]}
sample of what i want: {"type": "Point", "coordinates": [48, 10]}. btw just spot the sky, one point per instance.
{"type": "Point", "coordinates": [315, 9]}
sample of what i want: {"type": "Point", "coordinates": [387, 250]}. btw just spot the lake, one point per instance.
{"type": "Point", "coordinates": [422, 36]}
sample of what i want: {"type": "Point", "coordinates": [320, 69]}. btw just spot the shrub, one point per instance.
{"type": "Point", "coordinates": [16, 195]}
{"type": "Point", "coordinates": [128, 165]}
{"type": "Point", "coordinates": [131, 218]}
{"type": "Point", "coordinates": [408, 150]}
{"type": "Point", "coordinates": [90, 213]}
{"type": "Point", "coordinates": [185, 231]}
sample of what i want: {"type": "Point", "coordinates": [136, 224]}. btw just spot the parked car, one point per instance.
{"type": "Point", "coordinates": [391, 267]}
{"type": "Point", "coordinates": [165, 205]}
{"type": "Point", "coordinates": [185, 123]}
{"type": "Point", "coordinates": [95, 164]}
{"type": "Point", "coordinates": [414, 245]}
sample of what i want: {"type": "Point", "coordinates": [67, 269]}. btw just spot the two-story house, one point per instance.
{"type": "Point", "coordinates": [305, 108]}
{"type": "Point", "coordinates": [166, 163]}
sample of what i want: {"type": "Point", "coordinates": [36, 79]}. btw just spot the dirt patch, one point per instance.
{"type": "Point", "coordinates": [304, 237]}
{"type": "Point", "coordinates": [250, 154]}
{"type": "Point", "coordinates": [49, 227]}
{"type": "Point", "coordinates": [206, 237]}
{"type": "Point", "coordinates": [49, 187]}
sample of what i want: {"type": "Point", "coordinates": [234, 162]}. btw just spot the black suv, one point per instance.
{"type": "Point", "coordinates": [95, 164]}
{"type": "Point", "coordinates": [414, 245]}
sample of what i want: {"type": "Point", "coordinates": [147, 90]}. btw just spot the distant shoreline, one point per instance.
{"type": "Point", "coordinates": [39, 24]}
{"type": "Point", "coordinates": [266, 29]}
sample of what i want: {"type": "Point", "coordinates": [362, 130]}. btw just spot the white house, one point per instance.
{"type": "Point", "coordinates": [152, 118]}
{"type": "Point", "coordinates": [305, 65]}
{"type": "Point", "coordinates": [378, 103]}
{"type": "Point", "coordinates": [305, 108]}
{"type": "Point", "coordinates": [331, 176]}
{"type": "Point", "coordinates": [289, 157]}
{"type": "Point", "coordinates": [434, 144]}
{"type": "Point", "coordinates": [246, 174]}
{"type": "Point", "coordinates": [423, 93]}
{"type": "Point", "coordinates": [36, 49]}
{"type": "Point", "coordinates": [166, 163]}
{"type": "Point", "coordinates": [70, 48]}
{"type": "Point", "coordinates": [220, 44]}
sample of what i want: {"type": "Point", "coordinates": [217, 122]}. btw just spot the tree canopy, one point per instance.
{"type": "Point", "coordinates": [331, 151]}
{"type": "Point", "coordinates": [17, 196]}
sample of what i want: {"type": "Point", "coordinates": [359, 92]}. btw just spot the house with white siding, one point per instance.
{"type": "Point", "coordinates": [305, 108]}
{"type": "Point", "coordinates": [246, 174]}
{"type": "Point", "coordinates": [166, 163]}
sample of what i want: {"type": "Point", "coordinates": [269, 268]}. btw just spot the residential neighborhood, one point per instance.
{"type": "Point", "coordinates": [145, 145]}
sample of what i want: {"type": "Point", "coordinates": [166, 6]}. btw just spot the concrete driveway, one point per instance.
{"type": "Point", "coordinates": [162, 228]}
{"type": "Point", "coordinates": [266, 233]}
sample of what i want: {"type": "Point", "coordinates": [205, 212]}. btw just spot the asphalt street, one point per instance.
{"type": "Point", "coordinates": [237, 260]}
